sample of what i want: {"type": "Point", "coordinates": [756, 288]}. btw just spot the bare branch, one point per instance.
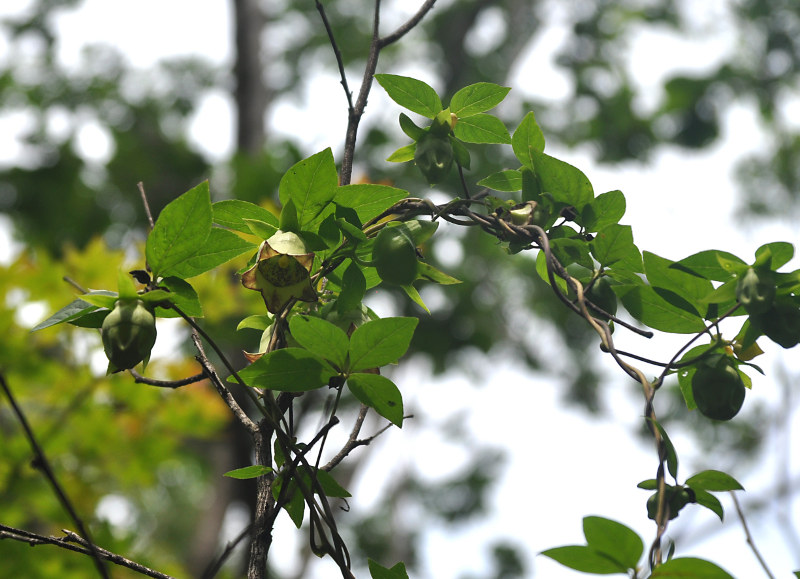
{"type": "Point", "coordinates": [83, 546]}
{"type": "Point", "coordinates": [146, 204]}
{"type": "Point", "coordinates": [41, 462]}
{"type": "Point", "coordinates": [139, 379]}
{"type": "Point", "coordinates": [338, 53]}
{"type": "Point", "coordinates": [409, 25]}
{"type": "Point", "coordinates": [749, 537]}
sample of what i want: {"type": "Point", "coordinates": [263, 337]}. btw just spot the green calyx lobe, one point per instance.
{"type": "Point", "coordinates": [129, 333]}
{"type": "Point", "coordinates": [718, 390]}
{"type": "Point", "coordinates": [677, 497]}
{"type": "Point", "coordinates": [756, 290]}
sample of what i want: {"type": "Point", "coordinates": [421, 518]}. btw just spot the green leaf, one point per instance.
{"type": "Point", "coordinates": [181, 229]}
{"type": "Point", "coordinates": [709, 501]}
{"type": "Point", "coordinates": [430, 273]}
{"type": "Point", "coordinates": [101, 298]}
{"type": "Point", "coordinates": [411, 93]}
{"type": "Point", "coordinates": [606, 209]}
{"type": "Point", "coordinates": [527, 139]}
{"type": "Point", "coordinates": [482, 128]}
{"type": "Point", "coordinates": [234, 213]}
{"type": "Point", "coordinates": [258, 322]}
{"type": "Point", "coordinates": [708, 264]}
{"type": "Point", "coordinates": [380, 342]}
{"type": "Point", "coordinates": [403, 154]}
{"type": "Point", "coordinates": [379, 393]}
{"type": "Point", "coordinates": [509, 180]}
{"type": "Point", "coordinates": [368, 200]}
{"type": "Point", "coordinates": [672, 455]}
{"type": "Point", "coordinates": [263, 229]}
{"type": "Point", "coordinates": [378, 571]}
{"type": "Point", "coordinates": [182, 294]}
{"type": "Point", "coordinates": [354, 286]}
{"type": "Point", "coordinates": [567, 184]}
{"type": "Point", "coordinates": [585, 559]}
{"type": "Point", "coordinates": [74, 310]}
{"type": "Point", "coordinates": [460, 153]}
{"type": "Point", "coordinates": [311, 184]}
{"type": "Point", "coordinates": [410, 128]}
{"type": "Point", "coordinates": [412, 293]}
{"type": "Point", "coordinates": [477, 98]}
{"type": "Point", "coordinates": [613, 243]}
{"type": "Point", "coordinates": [288, 370]}
{"type": "Point", "coordinates": [714, 480]}
{"type": "Point", "coordinates": [644, 304]}
{"type": "Point", "coordinates": [660, 274]}
{"type": "Point", "coordinates": [774, 255]}
{"type": "Point", "coordinates": [613, 539]}
{"type": "Point", "coordinates": [330, 486]}
{"type": "Point", "coordinates": [320, 337]}
{"type": "Point", "coordinates": [220, 247]}
{"type": "Point", "coordinates": [684, 567]}
{"type": "Point", "coordinates": [253, 471]}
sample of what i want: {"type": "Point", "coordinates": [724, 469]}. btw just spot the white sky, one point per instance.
{"type": "Point", "coordinates": [559, 469]}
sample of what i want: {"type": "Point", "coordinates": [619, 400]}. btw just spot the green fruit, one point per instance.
{"type": "Point", "coordinates": [395, 257]}
{"type": "Point", "coordinates": [718, 390]}
{"type": "Point", "coordinates": [129, 333]}
{"type": "Point", "coordinates": [434, 157]}
{"type": "Point", "coordinates": [677, 498]}
{"type": "Point", "coordinates": [756, 290]}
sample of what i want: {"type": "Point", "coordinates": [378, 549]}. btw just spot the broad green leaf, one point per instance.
{"type": "Point", "coordinates": [613, 243]}
{"type": "Point", "coordinates": [527, 139]}
{"type": "Point", "coordinates": [182, 294]}
{"type": "Point", "coordinates": [321, 338]}
{"type": "Point", "coordinates": [644, 304]}
{"type": "Point", "coordinates": [288, 370]}
{"type": "Point", "coordinates": [380, 342]}
{"type": "Point", "coordinates": [354, 286]}
{"type": "Point", "coordinates": [660, 274]}
{"type": "Point", "coordinates": [567, 184]}
{"type": "Point", "coordinates": [220, 247]}
{"type": "Point", "coordinates": [260, 228]}
{"type": "Point", "coordinates": [774, 255]}
{"type": "Point", "coordinates": [709, 501]}
{"type": "Point", "coordinates": [403, 154]}
{"type": "Point", "coordinates": [482, 128]}
{"type": "Point", "coordinates": [585, 559]}
{"type": "Point", "coordinates": [613, 539]}
{"type": "Point", "coordinates": [604, 210]}
{"type": "Point", "coordinates": [233, 213]}
{"type": "Point", "coordinates": [295, 503]}
{"type": "Point", "coordinates": [714, 480]}
{"type": "Point", "coordinates": [460, 153]}
{"type": "Point", "coordinates": [258, 322]}
{"type": "Point", "coordinates": [368, 200]}
{"type": "Point", "coordinates": [330, 486]}
{"type": "Point", "coordinates": [650, 484]}
{"type": "Point", "coordinates": [311, 185]}
{"type": "Point", "coordinates": [685, 567]}
{"type": "Point", "coordinates": [411, 93]}
{"type": "Point", "coordinates": [181, 229]}
{"type": "Point", "coordinates": [74, 310]}
{"type": "Point", "coordinates": [477, 98]}
{"type": "Point", "coordinates": [708, 264]}
{"type": "Point", "coordinates": [509, 180]}
{"type": "Point", "coordinates": [379, 393]}
{"type": "Point", "coordinates": [253, 471]}
{"type": "Point", "coordinates": [378, 571]}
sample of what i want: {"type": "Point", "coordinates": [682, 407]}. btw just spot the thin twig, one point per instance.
{"type": "Point", "coordinates": [213, 568]}
{"type": "Point", "coordinates": [140, 185]}
{"type": "Point", "coordinates": [43, 464]}
{"type": "Point", "coordinates": [408, 25]}
{"type": "Point", "coordinates": [338, 53]}
{"type": "Point", "coordinates": [83, 546]}
{"type": "Point", "coordinates": [139, 379]}
{"type": "Point", "coordinates": [749, 537]}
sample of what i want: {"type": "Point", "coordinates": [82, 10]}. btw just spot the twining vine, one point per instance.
{"type": "Point", "coordinates": [333, 240]}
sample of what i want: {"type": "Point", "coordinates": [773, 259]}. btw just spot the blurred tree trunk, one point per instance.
{"type": "Point", "coordinates": [250, 93]}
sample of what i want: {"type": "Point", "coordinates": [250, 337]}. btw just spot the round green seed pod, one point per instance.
{"type": "Point", "coordinates": [129, 333]}
{"type": "Point", "coordinates": [395, 257]}
{"type": "Point", "coordinates": [718, 391]}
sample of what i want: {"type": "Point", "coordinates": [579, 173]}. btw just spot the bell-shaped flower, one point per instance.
{"type": "Point", "coordinates": [282, 271]}
{"type": "Point", "coordinates": [129, 333]}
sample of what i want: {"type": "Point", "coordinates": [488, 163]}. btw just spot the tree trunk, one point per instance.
{"type": "Point", "coordinates": [251, 93]}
